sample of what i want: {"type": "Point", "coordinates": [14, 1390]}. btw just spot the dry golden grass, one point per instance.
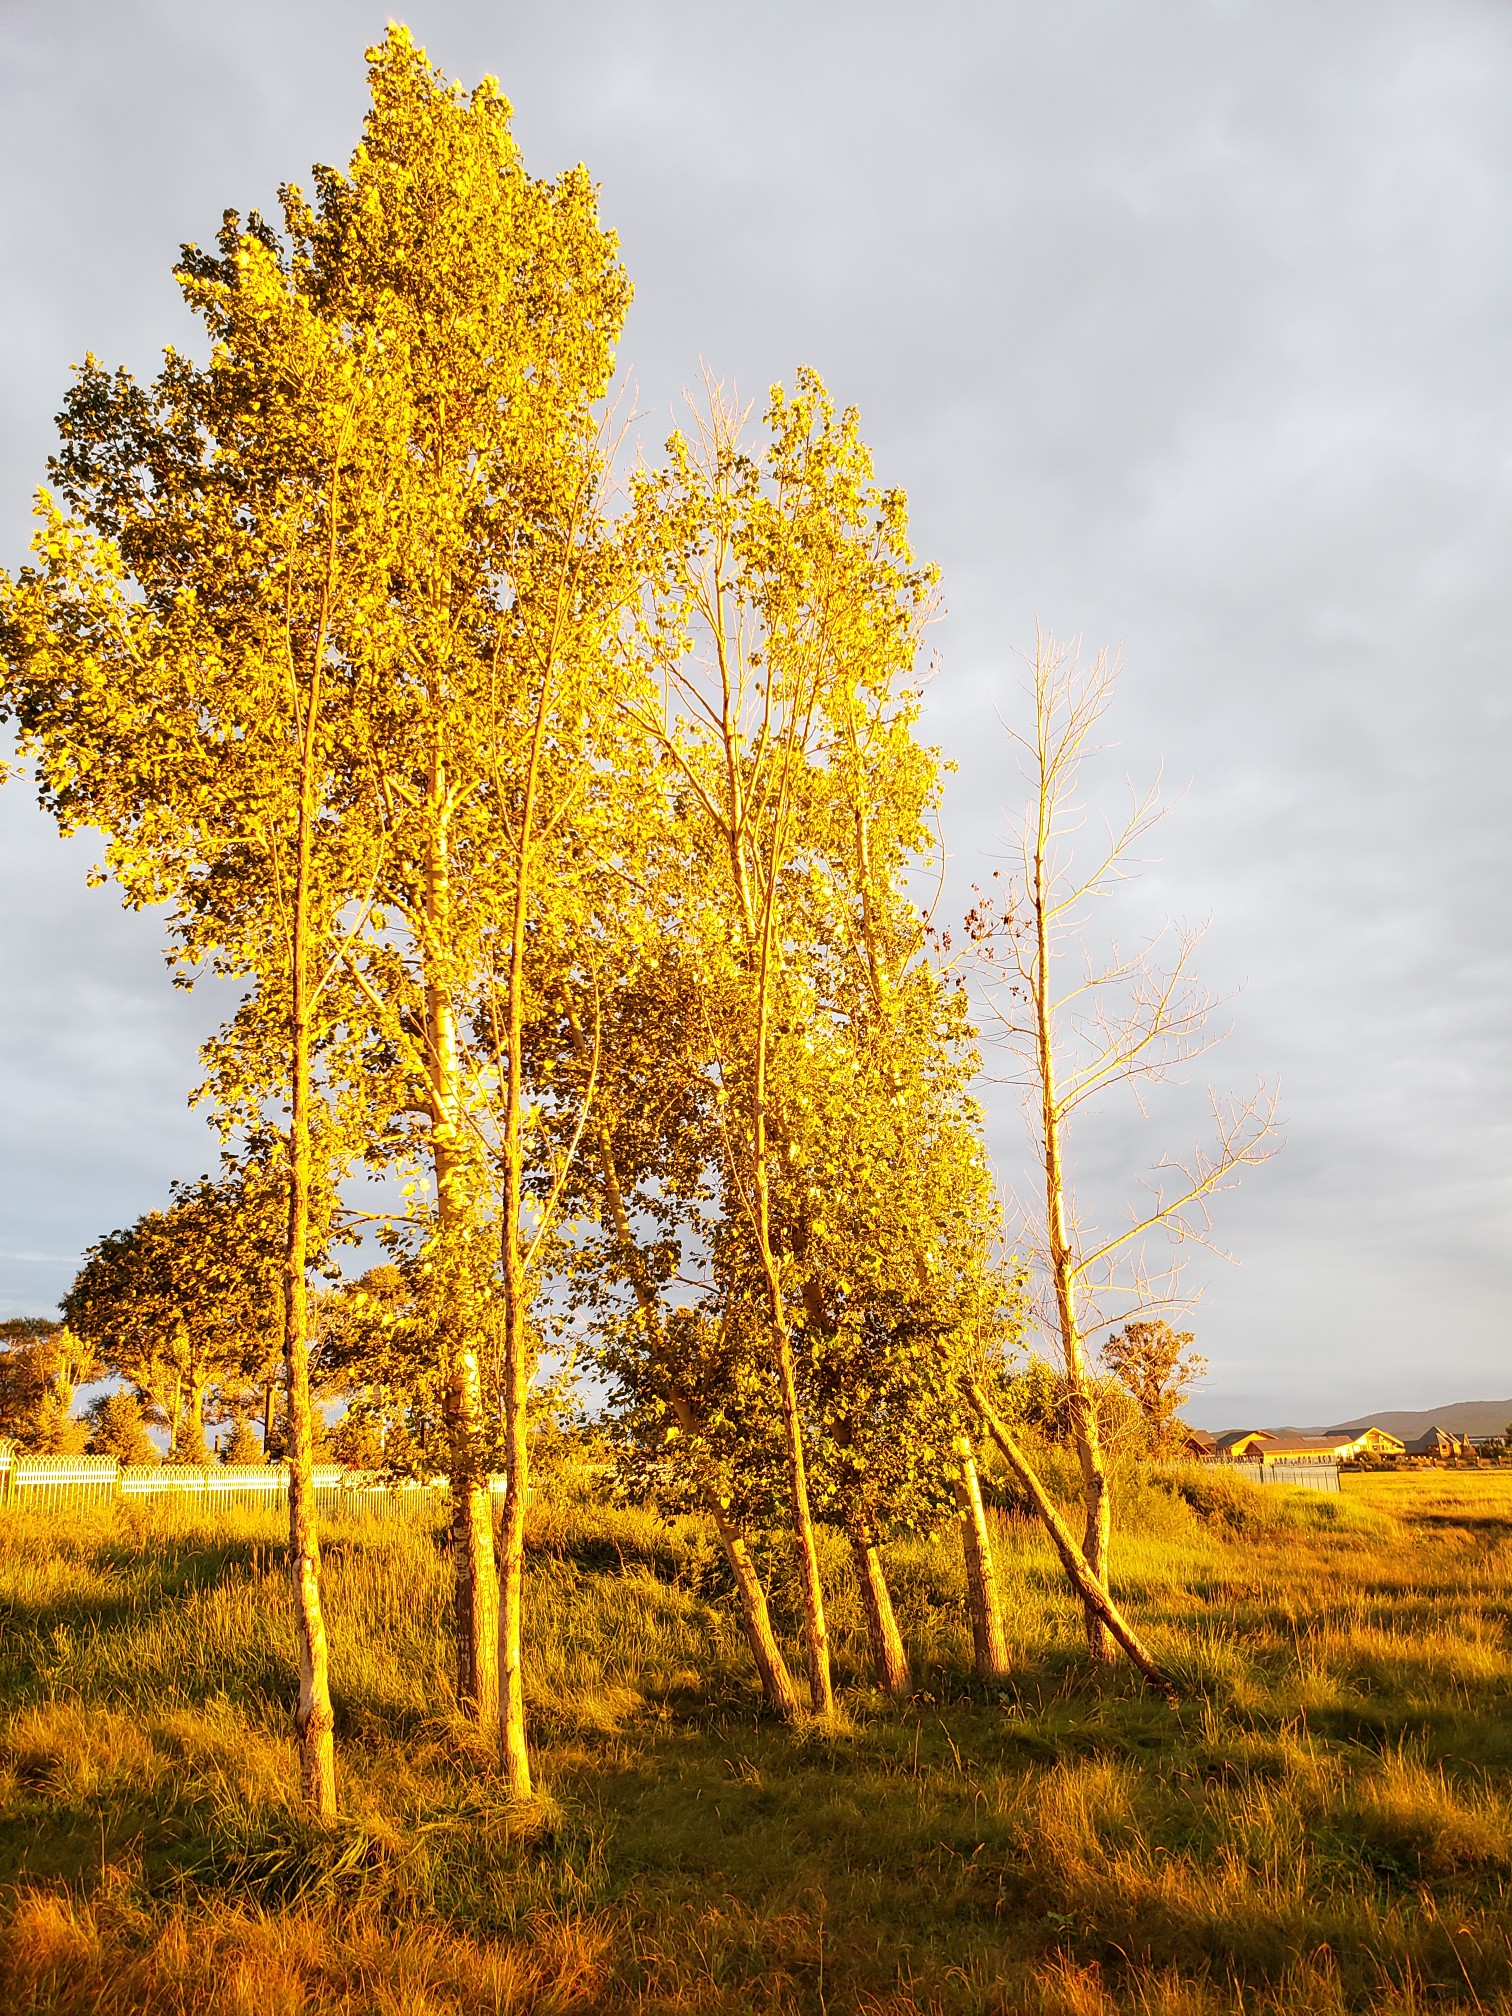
{"type": "Point", "coordinates": [1324, 1825]}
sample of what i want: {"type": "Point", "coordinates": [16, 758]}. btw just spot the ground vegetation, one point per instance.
{"type": "Point", "coordinates": [1320, 1826]}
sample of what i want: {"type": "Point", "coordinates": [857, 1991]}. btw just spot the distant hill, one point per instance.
{"type": "Point", "coordinates": [1465, 1417]}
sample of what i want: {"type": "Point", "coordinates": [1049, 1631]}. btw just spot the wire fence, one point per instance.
{"type": "Point", "coordinates": [31, 1483]}
{"type": "Point", "coordinates": [1304, 1476]}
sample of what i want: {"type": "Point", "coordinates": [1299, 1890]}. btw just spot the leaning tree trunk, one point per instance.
{"type": "Point", "coordinates": [1094, 1596]}
{"type": "Point", "coordinates": [776, 1680]}
{"type": "Point", "coordinates": [988, 1638]}
{"type": "Point", "coordinates": [888, 1658]}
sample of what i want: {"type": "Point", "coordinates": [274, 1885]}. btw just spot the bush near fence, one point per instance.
{"type": "Point", "coordinates": [32, 1483]}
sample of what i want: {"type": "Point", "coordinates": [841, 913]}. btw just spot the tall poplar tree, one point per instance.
{"type": "Point", "coordinates": [491, 301]}
{"type": "Point", "coordinates": [178, 659]}
{"type": "Point", "coordinates": [384, 490]}
{"type": "Point", "coordinates": [767, 579]}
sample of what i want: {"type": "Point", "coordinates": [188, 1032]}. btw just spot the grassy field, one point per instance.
{"type": "Point", "coordinates": [1324, 1825]}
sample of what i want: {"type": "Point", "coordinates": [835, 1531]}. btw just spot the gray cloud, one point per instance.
{"type": "Point", "coordinates": [1184, 328]}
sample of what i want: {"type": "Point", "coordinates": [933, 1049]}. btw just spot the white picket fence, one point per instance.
{"type": "Point", "coordinates": [30, 1483]}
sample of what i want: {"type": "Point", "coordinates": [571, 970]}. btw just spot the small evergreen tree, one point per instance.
{"type": "Point", "coordinates": [118, 1429]}
{"type": "Point", "coordinates": [243, 1447]}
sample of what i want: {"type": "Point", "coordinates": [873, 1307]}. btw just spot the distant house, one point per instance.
{"type": "Point", "coordinates": [1304, 1449]}
{"type": "Point", "coordinates": [1194, 1441]}
{"type": "Point", "coordinates": [1377, 1442]}
{"type": "Point", "coordinates": [1438, 1441]}
{"type": "Point", "coordinates": [1243, 1444]}
{"type": "Point", "coordinates": [1342, 1446]}
{"type": "Point", "coordinates": [1268, 1445]}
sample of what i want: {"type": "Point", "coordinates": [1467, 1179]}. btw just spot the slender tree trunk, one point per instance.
{"type": "Point", "coordinates": [519, 1359]}
{"type": "Point", "coordinates": [1081, 1401]}
{"type": "Point", "coordinates": [760, 947]}
{"type": "Point", "coordinates": [176, 1418]}
{"type": "Point", "coordinates": [776, 1681]}
{"type": "Point", "coordinates": [1093, 1594]}
{"type": "Point", "coordinates": [268, 1418]}
{"type": "Point", "coordinates": [474, 1569]}
{"type": "Point", "coordinates": [811, 1590]}
{"type": "Point", "coordinates": [475, 1572]}
{"type": "Point", "coordinates": [1097, 1503]}
{"type": "Point", "coordinates": [518, 1368]}
{"type": "Point", "coordinates": [314, 1723]}
{"type": "Point", "coordinates": [988, 1638]}
{"type": "Point", "coordinates": [888, 1658]}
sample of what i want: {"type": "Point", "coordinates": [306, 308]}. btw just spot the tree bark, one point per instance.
{"type": "Point", "coordinates": [519, 1359]}
{"type": "Point", "coordinates": [1093, 1594]}
{"type": "Point", "coordinates": [475, 1577]}
{"type": "Point", "coordinates": [194, 1424]}
{"type": "Point", "coordinates": [474, 1568]}
{"type": "Point", "coordinates": [314, 1723]}
{"type": "Point", "coordinates": [518, 1367]}
{"type": "Point", "coordinates": [988, 1638]}
{"type": "Point", "coordinates": [888, 1658]}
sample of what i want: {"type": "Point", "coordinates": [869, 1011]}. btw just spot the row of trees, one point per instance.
{"type": "Point", "coordinates": [374, 1366]}
{"type": "Point", "coordinates": [567, 862]}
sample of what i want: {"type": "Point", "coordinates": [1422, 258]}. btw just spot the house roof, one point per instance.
{"type": "Point", "coordinates": [1306, 1445]}
{"type": "Point", "coordinates": [1382, 1434]}
{"type": "Point", "coordinates": [1433, 1439]}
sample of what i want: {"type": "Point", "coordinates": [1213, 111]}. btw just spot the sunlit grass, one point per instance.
{"type": "Point", "coordinates": [1324, 1824]}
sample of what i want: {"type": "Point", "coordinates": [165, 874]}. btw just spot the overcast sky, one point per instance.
{"type": "Point", "coordinates": [1186, 330]}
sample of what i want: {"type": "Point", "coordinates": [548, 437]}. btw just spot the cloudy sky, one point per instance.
{"type": "Point", "coordinates": [1185, 329]}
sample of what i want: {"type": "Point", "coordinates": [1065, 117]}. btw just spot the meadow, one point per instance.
{"type": "Point", "coordinates": [1324, 1823]}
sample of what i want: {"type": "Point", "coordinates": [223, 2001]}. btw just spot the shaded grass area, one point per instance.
{"type": "Point", "coordinates": [1323, 1825]}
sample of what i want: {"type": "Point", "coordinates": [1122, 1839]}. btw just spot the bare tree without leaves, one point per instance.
{"type": "Point", "coordinates": [1079, 1026]}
